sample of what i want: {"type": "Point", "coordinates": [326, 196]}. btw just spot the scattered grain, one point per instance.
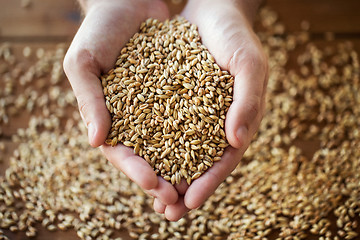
{"type": "Point", "coordinates": [277, 191]}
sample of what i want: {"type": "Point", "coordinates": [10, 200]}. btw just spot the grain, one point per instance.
{"type": "Point", "coordinates": [170, 103]}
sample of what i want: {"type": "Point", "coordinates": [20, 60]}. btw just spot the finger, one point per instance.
{"type": "Point", "coordinates": [88, 91]}
{"type": "Point", "coordinates": [164, 192]}
{"type": "Point", "coordinates": [203, 187]}
{"type": "Point", "coordinates": [245, 113]}
{"type": "Point", "coordinates": [135, 167]}
{"type": "Point", "coordinates": [182, 187]}
{"type": "Point", "coordinates": [158, 206]}
{"type": "Point", "coordinates": [176, 211]}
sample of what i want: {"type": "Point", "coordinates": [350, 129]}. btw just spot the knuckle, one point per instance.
{"type": "Point", "coordinates": [83, 106]}
{"type": "Point", "coordinates": [79, 60]}
{"type": "Point", "coordinates": [251, 59]}
{"type": "Point", "coordinates": [90, 104]}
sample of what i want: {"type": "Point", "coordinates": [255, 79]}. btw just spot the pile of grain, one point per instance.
{"type": "Point", "coordinates": [168, 100]}
{"type": "Point", "coordinates": [277, 192]}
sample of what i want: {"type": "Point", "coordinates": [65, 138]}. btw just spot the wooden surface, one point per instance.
{"type": "Point", "coordinates": [40, 21]}
{"type": "Point", "coordinates": [340, 17]}
{"type": "Point", "coordinates": [45, 23]}
{"type": "Point", "coordinates": [58, 20]}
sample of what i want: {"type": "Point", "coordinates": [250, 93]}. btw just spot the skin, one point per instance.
{"type": "Point", "coordinates": [226, 30]}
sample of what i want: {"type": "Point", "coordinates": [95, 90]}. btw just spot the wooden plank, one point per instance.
{"type": "Point", "coordinates": [42, 18]}
{"type": "Point", "coordinates": [324, 15]}
{"type": "Point", "coordinates": [53, 18]}
{"type": "Point", "coordinates": [48, 19]}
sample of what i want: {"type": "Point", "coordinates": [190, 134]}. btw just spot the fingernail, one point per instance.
{"type": "Point", "coordinates": [241, 134]}
{"type": "Point", "coordinates": [91, 132]}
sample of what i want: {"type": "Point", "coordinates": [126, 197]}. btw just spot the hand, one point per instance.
{"type": "Point", "coordinates": [226, 30]}
{"type": "Point", "coordinates": [107, 27]}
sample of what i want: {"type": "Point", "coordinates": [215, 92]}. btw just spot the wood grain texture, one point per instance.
{"type": "Point", "coordinates": [59, 20]}
{"type": "Point", "coordinates": [41, 19]}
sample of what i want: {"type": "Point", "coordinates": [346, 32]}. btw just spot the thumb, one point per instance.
{"type": "Point", "coordinates": [245, 113]}
{"type": "Point", "coordinates": [81, 70]}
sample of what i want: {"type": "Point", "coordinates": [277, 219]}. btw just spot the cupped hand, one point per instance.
{"type": "Point", "coordinates": [107, 27]}
{"type": "Point", "coordinates": [226, 30]}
